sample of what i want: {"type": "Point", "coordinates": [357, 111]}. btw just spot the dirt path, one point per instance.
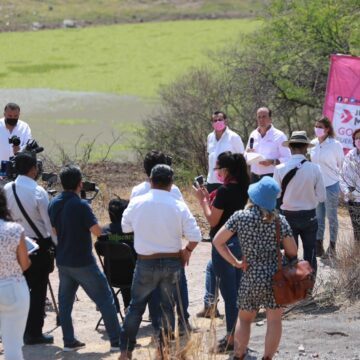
{"type": "Point", "coordinates": [324, 332]}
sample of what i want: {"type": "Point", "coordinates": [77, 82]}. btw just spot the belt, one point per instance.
{"type": "Point", "coordinates": [311, 212]}
{"type": "Point", "coordinates": [159, 256]}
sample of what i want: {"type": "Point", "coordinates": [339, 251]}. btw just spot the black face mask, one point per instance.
{"type": "Point", "coordinates": [11, 122]}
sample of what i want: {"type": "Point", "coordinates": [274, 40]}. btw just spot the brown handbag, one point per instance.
{"type": "Point", "coordinates": [291, 282]}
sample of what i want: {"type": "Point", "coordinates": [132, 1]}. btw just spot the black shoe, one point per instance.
{"type": "Point", "coordinates": [223, 346]}
{"type": "Point", "coordinates": [42, 339]}
{"type": "Point", "coordinates": [319, 248]}
{"type": "Point", "coordinates": [76, 345]}
{"type": "Point", "coordinates": [185, 328]}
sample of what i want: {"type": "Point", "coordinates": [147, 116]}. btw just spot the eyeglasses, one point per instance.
{"type": "Point", "coordinates": [218, 119]}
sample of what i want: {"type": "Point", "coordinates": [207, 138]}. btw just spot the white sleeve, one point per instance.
{"type": "Point", "coordinates": [277, 178]}
{"type": "Point", "coordinates": [238, 144]}
{"type": "Point", "coordinates": [25, 136]}
{"type": "Point", "coordinates": [340, 155]}
{"type": "Point", "coordinates": [43, 205]}
{"type": "Point", "coordinates": [126, 221]}
{"type": "Point", "coordinates": [191, 230]}
{"type": "Point", "coordinates": [284, 151]}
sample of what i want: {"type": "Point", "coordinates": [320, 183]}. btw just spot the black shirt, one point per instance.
{"type": "Point", "coordinates": [230, 198]}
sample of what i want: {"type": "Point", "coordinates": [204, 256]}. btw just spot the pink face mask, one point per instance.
{"type": "Point", "coordinates": [357, 143]}
{"type": "Point", "coordinates": [219, 125]}
{"type": "Point", "coordinates": [221, 178]}
{"type": "Point", "coordinates": [319, 132]}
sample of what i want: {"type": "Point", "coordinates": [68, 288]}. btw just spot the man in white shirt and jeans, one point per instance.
{"type": "Point", "coordinates": [159, 221]}
{"type": "Point", "coordinates": [303, 193]}
{"type": "Point", "coordinates": [11, 125]}
{"type": "Point", "coordinates": [220, 140]}
{"type": "Point", "coordinates": [35, 201]}
{"type": "Point", "coordinates": [267, 141]}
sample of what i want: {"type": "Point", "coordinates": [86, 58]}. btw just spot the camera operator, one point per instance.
{"type": "Point", "coordinates": [28, 204]}
{"type": "Point", "coordinates": [14, 133]}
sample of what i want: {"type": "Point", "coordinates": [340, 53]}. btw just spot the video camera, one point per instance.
{"type": "Point", "coordinates": [87, 187]}
{"type": "Point", "coordinates": [8, 167]}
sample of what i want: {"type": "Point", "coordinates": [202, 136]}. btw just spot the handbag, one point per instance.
{"type": "Point", "coordinates": [291, 282]}
{"type": "Point", "coordinates": [44, 257]}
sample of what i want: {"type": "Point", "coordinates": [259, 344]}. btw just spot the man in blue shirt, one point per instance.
{"type": "Point", "coordinates": [73, 221]}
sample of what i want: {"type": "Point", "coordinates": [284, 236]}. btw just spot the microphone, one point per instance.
{"type": "Point", "coordinates": [251, 143]}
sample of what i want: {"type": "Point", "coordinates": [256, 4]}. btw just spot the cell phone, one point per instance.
{"type": "Point", "coordinates": [199, 181]}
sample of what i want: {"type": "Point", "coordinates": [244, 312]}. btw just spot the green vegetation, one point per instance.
{"type": "Point", "coordinates": [68, 122]}
{"type": "Point", "coordinates": [20, 14]}
{"type": "Point", "coordinates": [131, 59]}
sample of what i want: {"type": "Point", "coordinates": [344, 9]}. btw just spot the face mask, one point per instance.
{"type": "Point", "coordinates": [11, 122]}
{"type": "Point", "coordinates": [221, 178]}
{"type": "Point", "coordinates": [357, 143]}
{"type": "Point", "coordinates": [319, 132]}
{"type": "Point", "coordinates": [219, 125]}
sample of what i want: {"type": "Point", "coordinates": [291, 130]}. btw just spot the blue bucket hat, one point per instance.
{"type": "Point", "coordinates": [264, 193]}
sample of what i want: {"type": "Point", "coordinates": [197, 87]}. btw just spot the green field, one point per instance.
{"type": "Point", "coordinates": [128, 59]}
{"type": "Point", "coordinates": [20, 14]}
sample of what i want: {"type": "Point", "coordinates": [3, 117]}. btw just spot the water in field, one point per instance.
{"type": "Point", "coordinates": [62, 119]}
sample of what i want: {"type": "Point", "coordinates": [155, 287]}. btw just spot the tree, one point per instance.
{"type": "Point", "coordinates": [284, 66]}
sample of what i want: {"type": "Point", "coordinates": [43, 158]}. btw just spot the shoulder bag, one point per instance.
{"type": "Point", "coordinates": [291, 282]}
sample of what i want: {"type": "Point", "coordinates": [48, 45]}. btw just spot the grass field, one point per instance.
{"type": "Point", "coordinates": [20, 14]}
{"type": "Point", "coordinates": [131, 59]}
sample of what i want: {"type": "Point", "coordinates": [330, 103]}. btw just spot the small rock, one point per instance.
{"type": "Point", "coordinates": [301, 349]}
{"type": "Point", "coordinates": [315, 355]}
{"type": "Point", "coordinates": [260, 323]}
{"type": "Point", "coordinates": [67, 23]}
{"type": "Point", "coordinates": [37, 26]}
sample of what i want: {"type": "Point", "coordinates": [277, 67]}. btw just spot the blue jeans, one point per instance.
{"type": "Point", "coordinates": [329, 209]}
{"type": "Point", "coordinates": [182, 303]}
{"type": "Point", "coordinates": [148, 275]}
{"type": "Point", "coordinates": [304, 224]}
{"type": "Point", "coordinates": [94, 283]}
{"type": "Point", "coordinates": [229, 281]}
{"type": "Point", "coordinates": [210, 285]}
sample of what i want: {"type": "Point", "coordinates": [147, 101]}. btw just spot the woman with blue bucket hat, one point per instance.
{"type": "Point", "coordinates": [256, 229]}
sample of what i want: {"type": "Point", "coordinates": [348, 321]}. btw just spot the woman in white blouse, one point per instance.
{"type": "Point", "coordinates": [350, 183]}
{"type": "Point", "coordinates": [328, 153]}
{"type": "Point", "coordinates": [14, 292]}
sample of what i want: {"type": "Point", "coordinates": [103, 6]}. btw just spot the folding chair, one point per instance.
{"type": "Point", "coordinates": [111, 254]}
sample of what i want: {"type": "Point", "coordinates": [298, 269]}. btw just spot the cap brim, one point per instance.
{"type": "Point", "coordinates": [287, 143]}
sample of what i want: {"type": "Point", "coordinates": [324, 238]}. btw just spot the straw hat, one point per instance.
{"type": "Point", "coordinates": [298, 137]}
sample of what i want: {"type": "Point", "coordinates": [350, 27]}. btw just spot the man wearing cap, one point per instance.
{"type": "Point", "coordinates": [158, 221]}
{"type": "Point", "coordinates": [266, 141]}
{"type": "Point", "coordinates": [302, 187]}
{"type": "Point", "coordinates": [11, 125]}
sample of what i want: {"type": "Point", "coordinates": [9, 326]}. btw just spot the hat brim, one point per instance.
{"type": "Point", "coordinates": [287, 143]}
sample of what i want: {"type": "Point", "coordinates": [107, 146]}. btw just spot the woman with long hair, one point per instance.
{"type": "Point", "coordinates": [231, 171]}
{"type": "Point", "coordinates": [256, 229]}
{"type": "Point", "coordinates": [14, 292]}
{"type": "Point", "coordinates": [328, 154]}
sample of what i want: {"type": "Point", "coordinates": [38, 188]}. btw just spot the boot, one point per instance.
{"type": "Point", "coordinates": [331, 251]}
{"type": "Point", "coordinates": [319, 248]}
{"type": "Point", "coordinates": [209, 312]}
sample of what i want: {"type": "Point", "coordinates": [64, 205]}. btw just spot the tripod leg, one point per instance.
{"type": "Point", "coordinates": [55, 304]}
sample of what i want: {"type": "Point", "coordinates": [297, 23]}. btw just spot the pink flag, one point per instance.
{"type": "Point", "coordinates": [342, 100]}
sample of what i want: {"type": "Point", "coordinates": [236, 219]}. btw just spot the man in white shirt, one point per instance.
{"type": "Point", "coordinates": [159, 221]}
{"type": "Point", "coordinates": [220, 140]}
{"type": "Point", "coordinates": [153, 158]}
{"type": "Point", "coordinates": [267, 141]}
{"type": "Point", "coordinates": [34, 199]}
{"type": "Point", "coordinates": [11, 125]}
{"type": "Point", "coordinates": [304, 190]}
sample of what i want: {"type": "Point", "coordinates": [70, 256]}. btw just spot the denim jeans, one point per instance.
{"type": "Point", "coordinates": [329, 209]}
{"type": "Point", "coordinates": [14, 308]}
{"type": "Point", "coordinates": [148, 275]}
{"type": "Point", "coordinates": [182, 303]}
{"type": "Point", "coordinates": [94, 283]}
{"type": "Point", "coordinates": [228, 278]}
{"type": "Point", "coordinates": [210, 285]}
{"type": "Point", "coordinates": [304, 224]}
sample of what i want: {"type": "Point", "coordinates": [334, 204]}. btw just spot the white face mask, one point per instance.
{"type": "Point", "coordinates": [319, 132]}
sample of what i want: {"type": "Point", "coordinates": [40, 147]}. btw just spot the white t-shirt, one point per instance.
{"type": "Point", "coordinates": [22, 130]}
{"type": "Point", "coordinates": [229, 141]}
{"type": "Point", "coordinates": [159, 221]}
{"type": "Point", "coordinates": [145, 187]}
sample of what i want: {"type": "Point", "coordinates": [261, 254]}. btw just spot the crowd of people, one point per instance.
{"type": "Point", "coordinates": [293, 182]}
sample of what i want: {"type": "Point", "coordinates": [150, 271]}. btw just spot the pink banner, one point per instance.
{"type": "Point", "coordinates": [342, 100]}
